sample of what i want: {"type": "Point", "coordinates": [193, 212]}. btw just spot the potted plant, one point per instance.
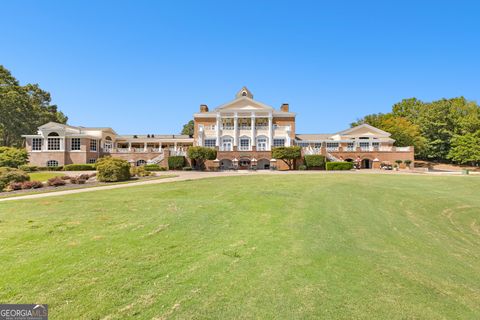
{"type": "Point", "coordinates": [398, 163]}
{"type": "Point", "coordinates": [408, 162]}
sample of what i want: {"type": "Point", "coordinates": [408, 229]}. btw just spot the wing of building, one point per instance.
{"type": "Point", "coordinates": [243, 131]}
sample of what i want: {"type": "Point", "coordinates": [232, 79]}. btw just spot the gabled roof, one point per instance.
{"type": "Point", "coordinates": [59, 126]}
{"type": "Point", "coordinates": [244, 102]}
{"type": "Point", "coordinates": [351, 131]}
{"type": "Point", "coordinates": [313, 137]}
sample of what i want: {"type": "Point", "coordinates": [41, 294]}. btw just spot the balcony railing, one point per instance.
{"type": "Point", "coordinates": [244, 148]}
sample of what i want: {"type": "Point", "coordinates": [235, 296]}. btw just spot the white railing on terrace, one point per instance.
{"type": "Point", "coordinates": [385, 148]}
{"type": "Point", "coordinates": [123, 150]}
{"type": "Point", "coordinates": [227, 127]}
{"type": "Point", "coordinates": [244, 148]}
{"type": "Point", "coordinates": [225, 149]}
{"type": "Point", "coordinates": [403, 149]}
{"type": "Point", "coordinates": [330, 149]}
{"type": "Point", "coordinates": [245, 127]}
{"type": "Point", "coordinates": [311, 151]}
{"type": "Point", "coordinates": [261, 127]}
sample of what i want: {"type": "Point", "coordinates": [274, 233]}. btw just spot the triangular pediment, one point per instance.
{"type": "Point", "coordinates": [364, 130]}
{"type": "Point", "coordinates": [244, 104]}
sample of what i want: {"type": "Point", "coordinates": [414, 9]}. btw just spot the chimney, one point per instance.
{"type": "Point", "coordinates": [284, 107]}
{"type": "Point", "coordinates": [203, 108]}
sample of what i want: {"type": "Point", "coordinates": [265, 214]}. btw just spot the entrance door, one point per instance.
{"type": "Point", "coordinates": [244, 164]}
{"type": "Point", "coordinates": [366, 164]}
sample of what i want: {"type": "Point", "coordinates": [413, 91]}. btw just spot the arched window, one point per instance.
{"type": "Point", "coordinates": [108, 145]}
{"type": "Point", "coordinates": [52, 163]}
{"type": "Point", "coordinates": [226, 143]}
{"type": "Point", "coordinates": [244, 143]}
{"type": "Point", "coordinates": [262, 143]}
{"type": "Point", "coordinates": [53, 134]}
{"type": "Point", "coordinates": [141, 163]}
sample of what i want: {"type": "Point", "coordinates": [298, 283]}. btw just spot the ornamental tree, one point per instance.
{"type": "Point", "coordinates": [201, 154]}
{"type": "Point", "coordinates": [12, 157]}
{"type": "Point", "coordinates": [287, 154]}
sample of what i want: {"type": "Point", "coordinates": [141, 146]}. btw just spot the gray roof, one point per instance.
{"type": "Point", "coordinates": [154, 136]}
{"type": "Point", "coordinates": [314, 137]}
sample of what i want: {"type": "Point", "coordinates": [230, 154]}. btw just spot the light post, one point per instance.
{"type": "Point", "coordinates": [254, 163]}
{"type": "Point", "coordinates": [235, 163]}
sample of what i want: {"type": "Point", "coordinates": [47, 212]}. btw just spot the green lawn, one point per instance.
{"type": "Point", "coordinates": [44, 175]}
{"type": "Point", "coordinates": [324, 246]}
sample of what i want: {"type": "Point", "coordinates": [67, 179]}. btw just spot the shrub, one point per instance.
{"type": "Point", "coordinates": [15, 185]}
{"type": "Point", "coordinates": [81, 181]}
{"type": "Point", "coordinates": [12, 157]}
{"type": "Point", "coordinates": [56, 168]}
{"type": "Point", "coordinates": [408, 162]}
{"type": "Point", "coordinates": [176, 162]}
{"type": "Point", "coordinates": [187, 168]}
{"type": "Point", "coordinates": [302, 167]}
{"type": "Point", "coordinates": [315, 161]}
{"type": "Point", "coordinates": [112, 169]}
{"type": "Point", "coordinates": [28, 168]}
{"type": "Point", "coordinates": [73, 180]}
{"type": "Point", "coordinates": [339, 165]}
{"type": "Point", "coordinates": [8, 175]}
{"type": "Point", "coordinates": [152, 167]}
{"type": "Point", "coordinates": [79, 167]}
{"type": "Point", "coordinates": [139, 172]}
{"type": "Point", "coordinates": [32, 185]}
{"type": "Point", "coordinates": [56, 182]}
{"type": "Point", "coordinates": [398, 162]}
{"type": "Point", "coordinates": [84, 176]}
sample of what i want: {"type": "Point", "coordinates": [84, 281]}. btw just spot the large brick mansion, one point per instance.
{"type": "Point", "coordinates": [243, 131]}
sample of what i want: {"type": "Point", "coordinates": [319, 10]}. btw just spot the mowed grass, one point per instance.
{"type": "Point", "coordinates": [43, 175]}
{"type": "Point", "coordinates": [342, 246]}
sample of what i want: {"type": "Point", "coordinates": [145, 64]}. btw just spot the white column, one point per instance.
{"type": "Point", "coordinates": [144, 147]}
{"type": "Point", "coordinates": [235, 130]}
{"type": "Point", "coordinates": [160, 146]}
{"type": "Point", "coordinates": [217, 143]}
{"type": "Point", "coordinates": [252, 124]}
{"type": "Point", "coordinates": [129, 146]}
{"type": "Point", "coordinates": [175, 146]}
{"type": "Point", "coordinates": [270, 132]}
{"type": "Point", "coordinates": [62, 144]}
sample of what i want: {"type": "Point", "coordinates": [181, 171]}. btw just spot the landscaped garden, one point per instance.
{"type": "Point", "coordinates": [264, 246]}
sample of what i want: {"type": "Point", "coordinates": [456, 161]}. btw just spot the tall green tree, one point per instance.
{"type": "Point", "coordinates": [429, 126]}
{"type": "Point", "coordinates": [188, 128]}
{"type": "Point", "coordinates": [466, 148]}
{"type": "Point", "coordinates": [289, 155]}
{"type": "Point", "coordinates": [23, 109]}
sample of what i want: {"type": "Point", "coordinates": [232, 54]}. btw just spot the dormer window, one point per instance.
{"type": "Point", "coordinates": [53, 134]}
{"type": "Point", "coordinates": [244, 93]}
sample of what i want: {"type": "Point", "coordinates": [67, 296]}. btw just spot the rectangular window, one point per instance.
{"type": "Point", "coordinates": [92, 161]}
{"type": "Point", "coordinates": [75, 144]}
{"type": "Point", "coordinates": [210, 143]}
{"type": "Point", "coordinates": [93, 145]}
{"type": "Point", "coordinates": [279, 142]}
{"type": "Point", "coordinates": [37, 144]}
{"type": "Point", "coordinates": [244, 144]}
{"type": "Point", "coordinates": [317, 145]}
{"type": "Point", "coordinates": [53, 144]}
{"type": "Point", "coordinates": [375, 144]}
{"type": "Point", "coordinates": [303, 144]}
{"type": "Point", "coordinates": [332, 144]}
{"type": "Point", "coordinates": [350, 146]}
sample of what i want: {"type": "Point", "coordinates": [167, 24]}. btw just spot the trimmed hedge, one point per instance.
{"type": "Point", "coordinates": [79, 167]}
{"type": "Point", "coordinates": [339, 165]}
{"type": "Point", "coordinates": [315, 161]}
{"type": "Point", "coordinates": [154, 167]}
{"type": "Point", "coordinates": [302, 167]}
{"type": "Point", "coordinates": [176, 162]}
{"type": "Point", "coordinates": [113, 169]}
{"type": "Point", "coordinates": [8, 175]}
{"type": "Point", "coordinates": [57, 168]}
{"type": "Point", "coordinates": [28, 168]}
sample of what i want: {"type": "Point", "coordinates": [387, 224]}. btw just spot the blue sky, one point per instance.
{"type": "Point", "coordinates": [146, 66]}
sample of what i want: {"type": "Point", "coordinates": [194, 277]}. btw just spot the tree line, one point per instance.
{"type": "Point", "coordinates": [446, 130]}
{"type": "Point", "coordinates": [23, 109]}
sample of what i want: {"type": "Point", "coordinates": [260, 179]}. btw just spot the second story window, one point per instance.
{"type": "Point", "coordinates": [37, 144]}
{"type": "Point", "coordinates": [75, 144]}
{"type": "Point", "coordinates": [53, 144]}
{"type": "Point", "coordinates": [279, 142]}
{"type": "Point", "coordinates": [210, 143]}
{"type": "Point", "coordinates": [93, 145]}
